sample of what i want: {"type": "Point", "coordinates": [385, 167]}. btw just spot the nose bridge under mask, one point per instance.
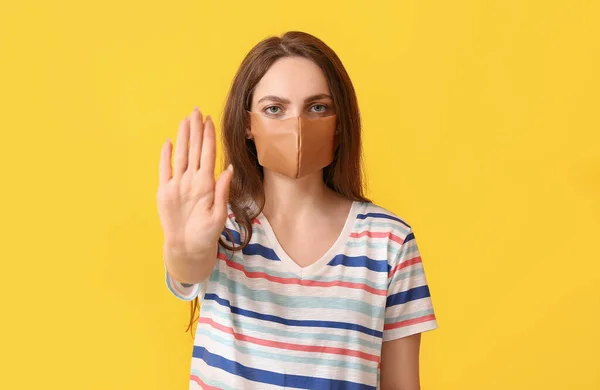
{"type": "Point", "coordinates": [295, 146]}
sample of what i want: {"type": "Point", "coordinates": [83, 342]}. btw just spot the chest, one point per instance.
{"type": "Point", "coordinates": [305, 244]}
{"type": "Point", "coordinates": [332, 318]}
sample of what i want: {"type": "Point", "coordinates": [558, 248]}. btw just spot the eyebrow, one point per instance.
{"type": "Point", "coordinates": [286, 101]}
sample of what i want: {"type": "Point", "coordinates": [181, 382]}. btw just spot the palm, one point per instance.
{"type": "Point", "coordinates": [192, 206]}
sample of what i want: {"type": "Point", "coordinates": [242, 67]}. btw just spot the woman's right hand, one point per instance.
{"type": "Point", "coordinates": [192, 207]}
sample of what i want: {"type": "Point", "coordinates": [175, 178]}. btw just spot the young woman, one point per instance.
{"type": "Point", "coordinates": [304, 282]}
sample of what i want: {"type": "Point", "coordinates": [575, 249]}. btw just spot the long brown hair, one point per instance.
{"type": "Point", "coordinates": [344, 175]}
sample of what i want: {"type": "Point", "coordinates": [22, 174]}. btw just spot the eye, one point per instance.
{"type": "Point", "coordinates": [269, 110]}
{"type": "Point", "coordinates": [323, 108]}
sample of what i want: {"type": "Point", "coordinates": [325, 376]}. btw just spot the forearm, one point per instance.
{"type": "Point", "coordinates": [188, 269]}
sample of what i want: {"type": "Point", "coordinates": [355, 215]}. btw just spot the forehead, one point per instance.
{"type": "Point", "coordinates": [293, 78]}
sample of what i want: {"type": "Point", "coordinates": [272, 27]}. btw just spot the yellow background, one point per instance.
{"type": "Point", "coordinates": [481, 123]}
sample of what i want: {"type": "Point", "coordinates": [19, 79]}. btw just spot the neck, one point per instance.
{"type": "Point", "coordinates": [292, 197]}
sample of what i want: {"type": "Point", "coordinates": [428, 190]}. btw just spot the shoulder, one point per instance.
{"type": "Point", "coordinates": [231, 230]}
{"type": "Point", "coordinates": [378, 217]}
{"type": "Point", "coordinates": [248, 208]}
{"type": "Point", "coordinates": [385, 232]}
{"type": "Point", "coordinates": [231, 221]}
{"type": "Point", "coordinates": [236, 225]}
{"type": "Point", "coordinates": [383, 226]}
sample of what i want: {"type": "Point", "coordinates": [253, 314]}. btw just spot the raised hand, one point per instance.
{"type": "Point", "coordinates": [192, 207]}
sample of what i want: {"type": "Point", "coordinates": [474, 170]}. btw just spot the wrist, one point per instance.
{"type": "Point", "coordinates": [188, 268]}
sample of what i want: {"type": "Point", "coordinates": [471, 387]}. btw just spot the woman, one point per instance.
{"type": "Point", "coordinates": [304, 282]}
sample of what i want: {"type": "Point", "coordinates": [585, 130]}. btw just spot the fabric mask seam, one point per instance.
{"type": "Point", "coordinates": [299, 147]}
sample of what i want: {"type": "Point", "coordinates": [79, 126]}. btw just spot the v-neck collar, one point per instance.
{"type": "Point", "coordinates": [335, 249]}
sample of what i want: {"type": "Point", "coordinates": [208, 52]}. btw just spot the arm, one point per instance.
{"type": "Point", "coordinates": [187, 289]}
{"type": "Point", "coordinates": [192, 206]}
{"type": "Point", "coordinates": [186, 269]}
{"type": "Point", "coordinates": [408, 313]}
{"type": "Point", "coordinates": [400, 363]}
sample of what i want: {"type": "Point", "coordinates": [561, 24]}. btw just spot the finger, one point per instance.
{"type": "Point", "coordinates": [207, 159]}
{"type": "Point", "coordinates": [195, 140]}
{"type": "Point", "coordinates": [181, 150]}
{"type": "Point", "coordinates": [222, 191]}
{"type": "Point", "coordinates": [164, 169]}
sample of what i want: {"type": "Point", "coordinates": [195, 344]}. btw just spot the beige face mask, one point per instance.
{"type": "Point", "coordinates": [294, 147]}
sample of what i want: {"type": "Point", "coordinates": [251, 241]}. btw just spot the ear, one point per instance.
{"type": "Point", "coordinates": [336, 141]}
{"type": "Point", "coordinates": [248, 132]}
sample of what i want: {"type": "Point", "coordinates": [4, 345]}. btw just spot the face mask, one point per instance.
{"type": "Point", "coordinates": [294, 147]}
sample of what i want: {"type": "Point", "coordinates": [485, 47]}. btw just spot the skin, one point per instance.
{"type": "Point", "coordinates": [306, 210]}
{"type": "Point", "coordinates": [400, 363]}
{"type": "Point", "coordinates": [302, 210]}
{"type": "Point", "coordinates": [299, 211]}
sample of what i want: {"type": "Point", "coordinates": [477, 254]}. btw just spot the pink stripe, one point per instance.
{"type": "Point", "coordinates": [404, 264]}
{"type": "Point", "coordinates": [413, 321]}
{"type": "Point", "coordinates": [288, 346]}
{"type": "Point", "coordinates": [300, 282]}
{"type": "Point", "coordinates": [367, 233]}
{"type": "Point", "coordinates": [202, 384]}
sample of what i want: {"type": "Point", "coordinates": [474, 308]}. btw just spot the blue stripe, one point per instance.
{"type": "Point", "coordinates": [361, 261]}
{"type": "Point", "coordinates": [409, 237]}
{"type": "Point", "coordinates": [379, 283]}
{"type": "Point", "coordinates": [285, 321]}
{"type": "Point", "coordinates": [407, 296]}
{"type": "Point", "coordinates": [257, 249]}
{"type": "Point", "coordinates": [274, 378]}
{"type": "Point", "coordinates": [237, 238]}
{"type": "Point", "coordinates": [382, 216]}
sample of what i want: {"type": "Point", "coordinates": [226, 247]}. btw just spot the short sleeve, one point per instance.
{"type": "Point", "coordinates": [185, 292]}
{"type": "Point", "coordinates": [409, 308]}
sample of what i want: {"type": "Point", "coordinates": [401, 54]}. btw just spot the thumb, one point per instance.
{"type": "Point", "coordinates": [222, 187]}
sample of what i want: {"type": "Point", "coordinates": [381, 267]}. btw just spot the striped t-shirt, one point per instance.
{"type": "Point", "coordinates": [267, 323]}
